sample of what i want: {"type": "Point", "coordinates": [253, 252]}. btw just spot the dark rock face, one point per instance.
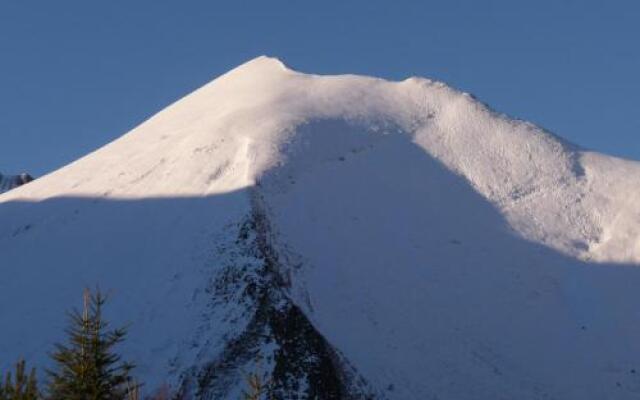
{"type": "Point", "coordinates": [275, 339]}
{"type": "Point", "coordinates": [8, 182]}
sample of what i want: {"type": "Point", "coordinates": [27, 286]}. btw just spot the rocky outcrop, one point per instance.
{"type": "Point", "coordinates": [277, 341]}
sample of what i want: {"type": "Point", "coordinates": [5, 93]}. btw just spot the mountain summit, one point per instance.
{"type": "Point", "coordinates": [344, 236]}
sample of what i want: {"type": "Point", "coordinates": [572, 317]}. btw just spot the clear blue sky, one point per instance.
{"type": "Point", "coordinates": [75, 75]}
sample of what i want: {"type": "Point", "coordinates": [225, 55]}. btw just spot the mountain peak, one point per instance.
{"type": "Point", "coordinates": [261, 66]}
{"type": "Point", "coordinates": [265, 61]}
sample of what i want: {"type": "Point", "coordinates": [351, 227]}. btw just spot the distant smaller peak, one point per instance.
{"type": "Point", "coordinates": [25, 178]}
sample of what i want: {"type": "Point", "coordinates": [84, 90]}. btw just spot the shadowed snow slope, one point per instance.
{"type": "Point", "coordinates": [398, 240]}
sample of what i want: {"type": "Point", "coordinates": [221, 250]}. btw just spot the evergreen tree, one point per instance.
{"type": "Point", "coordinates": [25, 387]}
{"type": "Point", "coordinates": [86, 366]}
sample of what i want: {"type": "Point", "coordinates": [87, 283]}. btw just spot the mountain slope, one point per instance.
{"type": "Point", "coordinates": [362, 238]}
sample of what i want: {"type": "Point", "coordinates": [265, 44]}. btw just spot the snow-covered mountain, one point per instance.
{"type": "Point", "coordinates": [8, 182]}
{"type": "Point", "coordinates": [345, 236]}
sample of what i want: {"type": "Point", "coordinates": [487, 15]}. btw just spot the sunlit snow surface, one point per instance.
{"type": "Point", "coordinates": [445, 250]}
